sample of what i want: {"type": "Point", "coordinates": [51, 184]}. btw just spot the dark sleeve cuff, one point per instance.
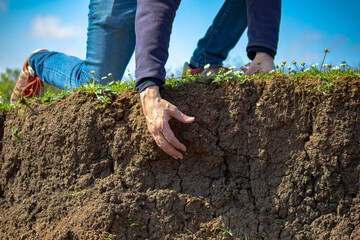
{"type": "Point", "coordinates": [146, 82]}
{"type": "Point", "coordinates": [251, 51]}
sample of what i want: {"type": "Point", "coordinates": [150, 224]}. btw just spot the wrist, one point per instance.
{"type": "Point", "coordinates": [263, 55]}
{"type": "Point", "coordinates": [150, 92]}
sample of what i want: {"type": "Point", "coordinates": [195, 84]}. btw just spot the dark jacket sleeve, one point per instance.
{"type": "Point", "coordinates": [153, 24]}
{"type": "Point", "coordinates": [263, 26]}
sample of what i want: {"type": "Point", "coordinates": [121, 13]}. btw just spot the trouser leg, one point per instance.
{"type": "Point", "coordinates": [222, 36]}
{"type": "Point", "coordinates": [110, 44]}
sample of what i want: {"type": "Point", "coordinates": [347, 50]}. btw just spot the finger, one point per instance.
{"type": "Point", "coordinates": [170, 137]}
{"type": "Point", "coordinates": [247, 73]}
{"type": "Point", "coordinates": [250, 71]}
{"type": "Point", "coordinates": [165, 146]}
{"type": "Point", "coordinates": [176, 113]}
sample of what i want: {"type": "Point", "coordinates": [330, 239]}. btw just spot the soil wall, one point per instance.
{"type": "Point", "coordinates": [266, 158]}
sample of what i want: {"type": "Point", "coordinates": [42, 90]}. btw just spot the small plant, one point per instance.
{"type": "Point", "coordinates": [326, 75]}
{"type": "Point", "coordinates": [303, 66]}
{"type": "Point", "coordinates": [226, 230]}
{"type": "Point", "coordinates": [322, 64]}
{"type": "Point", "coordinates": [325, 85]}
{"type": "Point", "coordinates": [110, 237]}
{"type": "Point", "coordinates": [102, 92]}
{"type": "Point", "coordinates": [295, 64]}
{"type": "Point", "coordinates": [90, 87]}
{"type": "Point", "coordinates": [75, 193]}
{"type": "Point", "coordinates": [14, 133]}
{"type": "Point", "coordinates": [134, 224]}
{"type": "Point", "coordinates": [226, 195]}
{"type": "Point", "coordinates": [343, 65]}
{"type": "Point", "coordinates": [23, 102]}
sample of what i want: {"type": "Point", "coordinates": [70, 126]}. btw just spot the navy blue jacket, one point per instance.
{"type": "Point", "coordinates": [153, 24]}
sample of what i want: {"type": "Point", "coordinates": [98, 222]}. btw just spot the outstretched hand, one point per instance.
{"type": "Point", "coordinates": [158, 112]}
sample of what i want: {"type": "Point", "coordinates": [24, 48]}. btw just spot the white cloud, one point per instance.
{"type": "Point", "coordinates": [51, 27]}
{"type": "Point", "coordinates": [300, 44]}
{"type": "Point", "coordinates": [3, 6]}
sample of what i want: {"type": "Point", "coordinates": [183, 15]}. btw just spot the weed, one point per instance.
{"type": "Point", "coordinates": [8, 80]}
{"type": "Point", "coordinates": [14, 132]}
{"type": "Point", "coordinates": [75, 193]}
{"type": "Point", "coordinates": [102, 92]}
{"type": "Point", "coordinates": [322, 64]}
{"type": "Point", "coordinates": [110, 237]}
{"type": "Point", "coordinates": [325, 85]}
{"type": "Point", "coordinates": [226, 196]}
{"type": "Point", "coordinates": [90, 87]}
{"type": "Point", "coordinates": [283, 66]}
{"type": "Point", "coordinates": [295, 64]}
{"type": "Point", "coordinates": [134, 224]}
{"type": "Point", "coordinates": [326, 77]}
{"type": "Point", "coordinates": [226, 230]}
{"type": "Point", "coordinates": [24, 102]}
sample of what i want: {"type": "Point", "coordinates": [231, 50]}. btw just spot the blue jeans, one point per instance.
{"type": "Point", "coordinates": [222, 36]}
{"type": "Point", "coordinates": [110, 45]}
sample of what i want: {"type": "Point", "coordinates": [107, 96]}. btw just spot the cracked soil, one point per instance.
{"type": "Point", "coordinates": [266, 158]}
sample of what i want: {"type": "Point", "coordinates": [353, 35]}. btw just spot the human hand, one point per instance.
{"type": "Point", "coordinates": [262, 62]}
{"type": "Point", "coordinates": [158, 112]}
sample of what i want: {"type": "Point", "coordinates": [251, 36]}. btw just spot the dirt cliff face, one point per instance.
{"type": "Point", "coordinates": [266, 158]}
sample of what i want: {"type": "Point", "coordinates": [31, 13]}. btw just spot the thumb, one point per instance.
{"type": "Point", "coordinates": [182, 117]}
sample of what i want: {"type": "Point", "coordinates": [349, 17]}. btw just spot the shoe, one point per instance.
{"type": "Point", "coordinates": [187, 69]}
{"type": "Point", "coordinates": [29, 83]}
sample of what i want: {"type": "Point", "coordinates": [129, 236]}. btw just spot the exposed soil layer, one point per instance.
{"type": "Point", "coordinates": [266, 158]}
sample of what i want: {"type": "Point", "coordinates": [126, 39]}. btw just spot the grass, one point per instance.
{"type": "Point", "coordinates": [110, 237]}
{"type": "Point", "coordinates": [226, 230]}
{"type": "Point", "coordinates": [135, 224]}
{"type": "Point", "coordinates": [14, 133]}
{"type": "Point", "coordinates": [325, 75]}
{"type": "Point", "coordinates": [229, 232]}
{"type": "Point", "coordinates": [75, 193]}
{"type": "Point", "coordinates": [7, 83]}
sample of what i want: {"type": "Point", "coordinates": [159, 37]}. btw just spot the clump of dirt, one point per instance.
{"type": "Point", "coordinates": [266, 158]}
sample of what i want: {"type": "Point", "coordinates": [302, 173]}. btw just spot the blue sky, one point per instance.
{"type": "Point", "coordinates": [307, 28]}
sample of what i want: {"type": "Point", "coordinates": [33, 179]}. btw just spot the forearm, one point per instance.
{"type": "Point", "coordinates": [153, 26]}
{"type": "Point", "coordinates": [263, 26]}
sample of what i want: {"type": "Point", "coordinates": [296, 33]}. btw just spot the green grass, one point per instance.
{"type": "Point", "coordinates": [75, 193]}
{"type": "Point", "coordinates": [226, 230]}
{"type": "Point", "coordinates": [110, 237]}
{"type": "Point", "coordinates": [14, 133]}
{"type": "Point", "coordinates": [326, 77]}
{"type": "Point", "coordinates": [135, 224]}
{"type": "Point", "coordinates": [7, 83]}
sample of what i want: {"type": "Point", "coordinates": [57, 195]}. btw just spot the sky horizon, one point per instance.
{"type": "Point", "coordinates": [306, 29]}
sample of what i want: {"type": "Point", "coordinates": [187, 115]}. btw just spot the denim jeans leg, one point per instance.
{"type": "Point", "coordinates": [110, 44]}
{"type": "Point", "coordinates": [111, 37]}
{"type": "Point", "coordinates": [59, 69]}
{"type": "Point", "coordinates": [222, 36]}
